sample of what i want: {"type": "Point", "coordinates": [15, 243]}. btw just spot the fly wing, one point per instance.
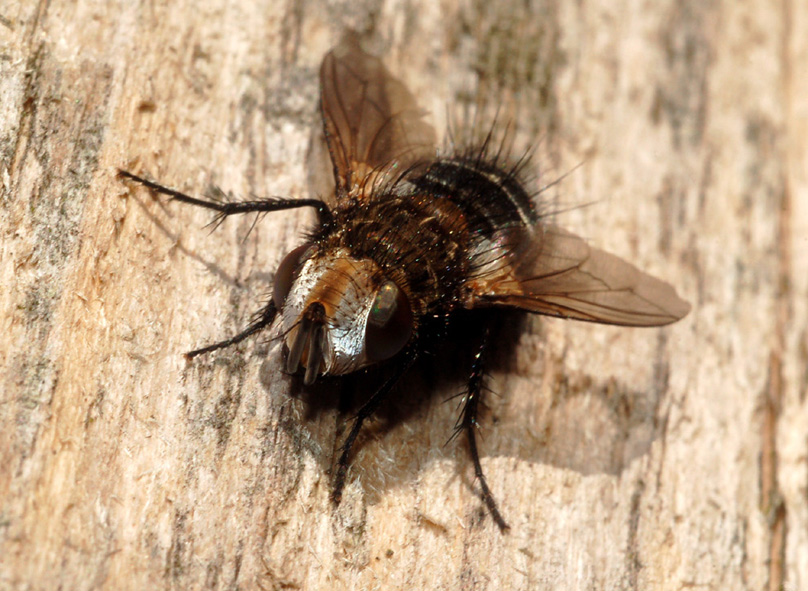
{"type": "Point", "coordinates": [563, 276]}
{"type": "Point", "coordinates": [373, 125]}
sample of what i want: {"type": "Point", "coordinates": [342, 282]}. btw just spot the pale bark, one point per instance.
{"type": "Point", "coordinates": [622, 458]}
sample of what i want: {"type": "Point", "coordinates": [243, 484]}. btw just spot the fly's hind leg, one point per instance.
{"type": "Point", "coordinates": [468, 423]}
{"type": "Point", "coordinates": [367, 410]}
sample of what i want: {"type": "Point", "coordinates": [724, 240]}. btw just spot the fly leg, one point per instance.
{"type": "Point", "coordinates": [468, 423]}
{"type": "Point", "coordinates": [258, 324]}
{"type": "Point", "coordinates": [366, 411]}
{"type": "Point", "coordinates": [226, 209]}
{"type": "Point", "coordinates": [267, 315]}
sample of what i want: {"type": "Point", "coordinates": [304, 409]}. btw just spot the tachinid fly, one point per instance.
{"type": "Point", "coordinates": [408, 238]}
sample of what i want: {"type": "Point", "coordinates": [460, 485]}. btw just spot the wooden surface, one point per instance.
{"type": "Point", "coordinates": [624, 459]}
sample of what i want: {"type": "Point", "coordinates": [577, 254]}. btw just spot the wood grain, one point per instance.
{"type": "Point", "coordinates": [622, 458]}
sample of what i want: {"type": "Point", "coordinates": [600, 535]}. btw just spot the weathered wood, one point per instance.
{"type": "Point", "coordinates": [636, 459]}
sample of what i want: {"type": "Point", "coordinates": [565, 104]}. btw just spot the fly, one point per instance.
{"type": "Point", "coordinates": [409, 238]}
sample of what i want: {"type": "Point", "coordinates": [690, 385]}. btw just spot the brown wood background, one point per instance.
{"type": "Point", "coordinates": [623, 459]}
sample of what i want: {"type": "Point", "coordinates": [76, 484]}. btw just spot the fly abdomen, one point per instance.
{"type": "Point", "coordinates": [491, 198]}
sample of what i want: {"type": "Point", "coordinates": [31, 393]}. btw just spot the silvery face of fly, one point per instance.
{"type": "Point", "coordinates": [339, 312]}
{"type": "Point", "coordinates": [406, 236]}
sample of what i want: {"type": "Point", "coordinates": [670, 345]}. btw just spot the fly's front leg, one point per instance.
{"type": "Point", "coordinates": [263, 320]}
{"type": "Point", "coordinates": [468, 423]}
{"type": "Point", "coordinates": [225, 209]}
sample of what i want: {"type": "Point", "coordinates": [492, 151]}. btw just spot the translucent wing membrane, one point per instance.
{"type": "Point", "coordinates": [372, 122]}
{"type": "Point", "coordinates": [563, 276]}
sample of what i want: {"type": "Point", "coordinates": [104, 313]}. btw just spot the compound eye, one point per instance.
{"type": "Point", "coordinates": [287, 272]}
{"type": "Point", "coordinates": [390, 323]}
